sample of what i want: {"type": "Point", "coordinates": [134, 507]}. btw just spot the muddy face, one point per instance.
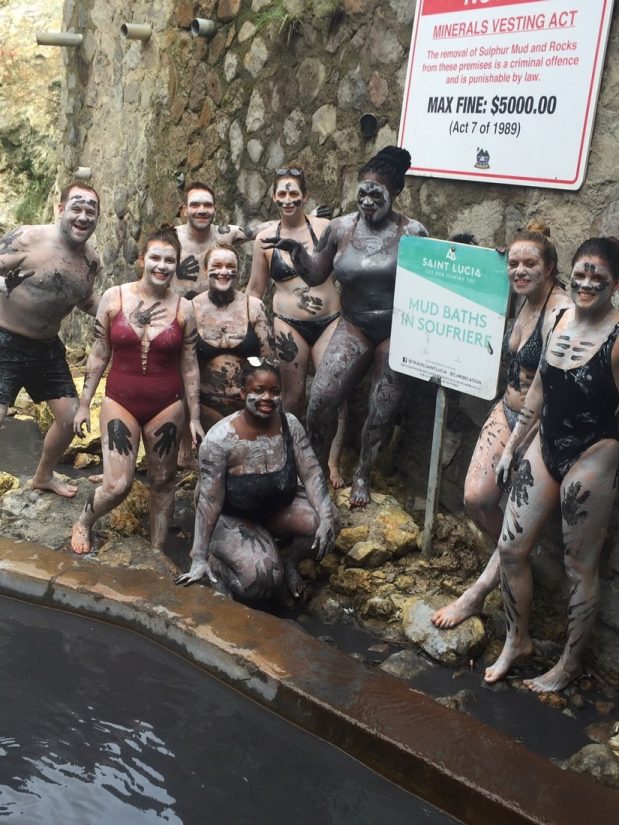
{"type": "Point", "coordinates": [159, 264]}
{"type": "Point", "coordinates": [200, 209]}
{"type": "Point", "coordinates": [526, 269]}
{"type": "Point", "coordinates": [288, 197]}
{"type": "Point", "coordinates": [374, 200]}
{"type": "Point", "coordinates": [79, 215]}
{"type": "Point", "coordinates": [591, 283]}
{"type": "Point", "coordinates": [222, 268]}
{"type": "Point", "coordinates": [262, 394]}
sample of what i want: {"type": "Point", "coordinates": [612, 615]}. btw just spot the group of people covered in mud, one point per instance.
{"type": "Point", "coordinates": [193, 360]}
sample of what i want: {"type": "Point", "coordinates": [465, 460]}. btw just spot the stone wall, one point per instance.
{"type": "Point", "coordinates": [289, 79]}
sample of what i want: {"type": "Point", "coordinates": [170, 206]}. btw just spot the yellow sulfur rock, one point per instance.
{"type": "Point", "coordinates": [8, 482]}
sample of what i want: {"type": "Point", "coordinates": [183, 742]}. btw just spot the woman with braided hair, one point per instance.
{"type": "Point", "coordinates": [361, 251]}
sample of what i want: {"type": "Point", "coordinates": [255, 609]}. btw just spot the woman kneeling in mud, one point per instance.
{"type": "Point", "coordinates": [572, 462]}
{"type": "Point", "coordinates": [150, 334]}
{"type": "Point", "coordinates": [247, 495]}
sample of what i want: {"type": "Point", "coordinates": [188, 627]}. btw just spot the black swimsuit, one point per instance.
{"type": "Point", "coordinates": [280, 270]}
{"type": "Point", "coordinates": [250, 345]}
{"type": "Point", "coordinates": [580, 407]}
{"type": "Point", "coordinates": [256, 496]}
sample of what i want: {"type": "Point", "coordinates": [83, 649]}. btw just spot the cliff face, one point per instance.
{"type": "Point", "coordinates": [30, 78]}
{"type": "Point", "coordinates": [283, 80]}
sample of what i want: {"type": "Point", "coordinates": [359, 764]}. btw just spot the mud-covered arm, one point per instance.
{"type": "Point", "coordinates": [263, 327]}
{"type": "Point", "coordinates": [13, 251]}
{"type": "Point", "coordinates": [527, 418]}
{"type": "Point", "coordinates": [314, 269]}
{"type": "Point", "coordinates": [315, 485]}
{"type": "Point", "coordinates": [210, 492]}
{"type": "Point", "coordinates": [98, 359]}
{"type": "Point", "coordinates": [259, 276]}
{"type": "Point", "coordinates": [242, 234]}
{"type": "Point", "coordinates": [190, 372]}
{"type": "Point", "coordinates": [90, 303]}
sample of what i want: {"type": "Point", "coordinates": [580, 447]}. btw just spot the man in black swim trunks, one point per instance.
{"type": "Point", "coordinates": [46, 271]}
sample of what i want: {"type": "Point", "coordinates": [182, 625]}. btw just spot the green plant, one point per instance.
{"type": "Point", "coordinates": [287, 18]}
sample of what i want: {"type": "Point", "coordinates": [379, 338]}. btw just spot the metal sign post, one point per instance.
{"type": "Point", "coordinates": [436, 465]}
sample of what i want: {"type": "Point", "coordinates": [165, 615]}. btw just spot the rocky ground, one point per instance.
{"type": "Point", "coordinates": [376, 580]}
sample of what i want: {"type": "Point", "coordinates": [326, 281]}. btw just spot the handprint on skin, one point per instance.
{"type": "Point", "coordinates": [119, 436]}
{"type": "Point", "coordinates": [308, 302]}
{"type": "Point", "coordinates": [15, 277]}
{"type": "Point", "coordinates": [189, 269]}
{"type": "Point", "coordinates": [286, 347]}
{"type": "Point", "coordinates": [143, 317]}
{"type": "Point", "coordinates": [285, 244]}
{"type": "Point", "coordinates": [323, 210]}
{"type": "Point", "coordinates": [168, 438]}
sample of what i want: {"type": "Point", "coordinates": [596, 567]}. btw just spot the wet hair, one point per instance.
{"type": "Point", "coordinates": [392, 164]}
{"type": "Point", "coordinates": [606, 248]}
{"type": "Point", "coordinates": [219, 248]}
{"type": "Point", "coordinates": [284, 172]}
{"type": "Point", "coordinates": [464, 237]}
{"type": "Point", "coordinates": [538, 232]}
{"type": "Point", "coordinates": [77, 184]}
{"type": "Point", "coordinates": [264, 365]}
{"type": "Point", "coordinates": [165, 234]}
{"type": "Point", "coordinates": [196, 184]}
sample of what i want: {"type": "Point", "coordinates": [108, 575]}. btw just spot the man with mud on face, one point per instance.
{"type": "Point", "coordinates": [199, 235]}
{"type": "Point", "coordinates": [248, 495]}
{"type": "Point", "coordinates": [46, 271]}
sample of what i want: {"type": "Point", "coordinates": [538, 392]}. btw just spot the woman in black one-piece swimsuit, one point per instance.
{"type": "Point", "coordinates": [572, 461]}
{"type": "Point", "coordinates": [532, 271]}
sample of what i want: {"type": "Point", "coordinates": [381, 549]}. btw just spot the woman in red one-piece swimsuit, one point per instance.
{"type": "Point", "coordinates": [150, 334]}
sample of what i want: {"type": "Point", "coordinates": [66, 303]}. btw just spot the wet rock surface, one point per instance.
{"type": "Point", "coordinates": [456, 646]}
{"type": "Point", "coordinates": [598, 761]}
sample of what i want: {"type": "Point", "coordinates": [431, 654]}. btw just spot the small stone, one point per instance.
{"type": "Point", "coordinates": [231, 65]}
{"type": "Point", "coordinates": [599, 732]}
{"type": "Point", "coordinates": [256, 57]}
{"type": "Point", "coordinates": [324, 121]}
{"type": "Point", "coordinates": [326, 639]}
{"type": "Point", "coordinates": [85, 460]}
{"type": "Point", "coordinates": [294, 127]}
{"type": "Point", "coordinates": [252, 186]}
{"type": "Point", "coordinates": [351, 580]}
{"type": "Point", "coordinates": [597, 761]}
{"type": "Point", "coordinates": [310, 77]}
{"type": "Point", "coordinates": [378, 89]}
{"type": "Point", "coordinates": [553, 700]}
{"type": "Point", "coordinates": [255, 113]}
{"type": "Point", "coordinates": [366, 554]}
{"type": "Point", "coordinates": [577, 701]}
{"type": "Point", "coordinates": [604, 708]}
{"type": "Point", "coordinates": [307, 568]}
{"type": "Point", "coordinates": [7, 482]}
{"type": "Point", "coordinates": [357, 657]}
{"type": "Point", "coordinates": [236, 143]}
{"type": "Point", "coordinates": [228, 10]}
{"type": "Point", "coordinates": [330, 563]}
{"type": "Point", "coordinates": [406, 664]}
{"type": "Point", "coordinates": [326, 607]}
{"type": "Point", "coordinates": [246, 31]}
{"type": "Point", "coordinates": [455, 646]}
{"type": "Point", "coordinates": [378, 648]}
{"type": "Point", "coordinates": [254, 149]}
{"type": "Point", "coordinates": [461, 701]}
{"type": "Point", "coordinates": [349, 536]}
{"type": "Point", "coordinates": [377, 607]}
{"type": "Point", "coordinates": [585, 684]}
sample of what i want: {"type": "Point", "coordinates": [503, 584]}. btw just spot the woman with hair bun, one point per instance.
{"type": "Point", "coordinates": [572, 461]}
{"type": "Point", "coordinates": [361, 251]}
{"type": "Point", "coordinates": [532, 271]}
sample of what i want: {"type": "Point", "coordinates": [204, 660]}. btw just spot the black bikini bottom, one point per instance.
{"type": "Point", "coordinates": [310, 329]}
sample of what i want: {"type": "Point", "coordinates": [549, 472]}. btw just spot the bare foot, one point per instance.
{"type": "Point", "coordinates": [295, 583]}
{"type": "Point", "coordinates": [335, 477]}
{"type": "Point", "coordinates": [97, 478]}
{"type": "Point", "coordinates": [360, 493]}
{"type": "Point", "coordinates": [55, 485]}
{"type": "Point", "coordinates": [556, 678]}
{"type": "Point", "coordinates": [452, 614]}
{"type": "Point", "coordinates": [510, 653]}
{"type": "Point", "coordinates": [80, 539]}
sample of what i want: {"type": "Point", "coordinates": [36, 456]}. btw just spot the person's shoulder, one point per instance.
{"type": "Point", "coordinates": [221, 432]}
{"type": "Point", "coordinates": [414, 227]}
{"type": "Point", "coordinates": [294, 425]}
{"type": "Point", "coordinates": [256, 306]}
{"type": "Point", "coordinates": [319, 224]}
{"type": "Point", "coordinates": [181, 232]}
{"type": "Point", "coordinates": [92, 255]}
{"type": "Point", "coordinates": [559, 299]}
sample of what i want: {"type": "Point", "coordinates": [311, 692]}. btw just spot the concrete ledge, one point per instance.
{"type": "Point", "coordinates": [454, 762]}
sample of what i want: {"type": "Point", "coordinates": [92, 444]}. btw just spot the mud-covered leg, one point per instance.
{"type": "Point", "coordinates": [244, 557]}
{"type": "Point", "coordinates": [481, 499]}
{"type": "Point", "coordinates": [385, 395]}
{"type": "Point", "coordinates": [162, 437]}
{"type": "Point", "coordinates": [345, 362]}
{"type": "Point", "coordinates": [533, 495]}
{"type": "Point", "coordinates": [337, 448]}
{"type": "Point", "coordinates": [58, 438]}
{"type": "Point", "coordinates": [587, 497]}
{"type": "Point", "coordinates": [120, 436]}
{"type": "Point", "coordinates": [293, 354]}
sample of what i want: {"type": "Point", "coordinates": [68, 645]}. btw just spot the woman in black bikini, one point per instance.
{"type": "Point", "coordinates": [532, 271]}
{"type": "Point", "coordinates": [232, 326]}
{"type": "Point", "coordinates": [247, 495]}
{"type": "Point", "coordinates": [361, 249]}
{"type": "Point", "coordinates": [305, 317]}
{"type": "Point", "coordinates": [572, 461]}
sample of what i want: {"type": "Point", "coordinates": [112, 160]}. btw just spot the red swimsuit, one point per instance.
{"type": "Point", "coordinates": [146, 390]}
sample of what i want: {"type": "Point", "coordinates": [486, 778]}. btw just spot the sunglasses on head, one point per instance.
{"type": "Point", "coordinates": [254, 361]}
{"type": "Point", "coordinates": [294, 171]}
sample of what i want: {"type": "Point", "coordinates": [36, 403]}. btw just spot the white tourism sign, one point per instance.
{"type": "Point", "coordinates": [449, 313]}
{"type": "Point", "coordinates": [504, 91]}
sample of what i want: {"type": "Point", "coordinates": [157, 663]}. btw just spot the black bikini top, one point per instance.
{"type": "Point", "coordinates": [256, 496]}
{"type": "Point", "coordinates": [280, 270]}
{"type": "Point", "coordinates": [528, 356]}
{"type": "Point", "coordinates": [250, 345]}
